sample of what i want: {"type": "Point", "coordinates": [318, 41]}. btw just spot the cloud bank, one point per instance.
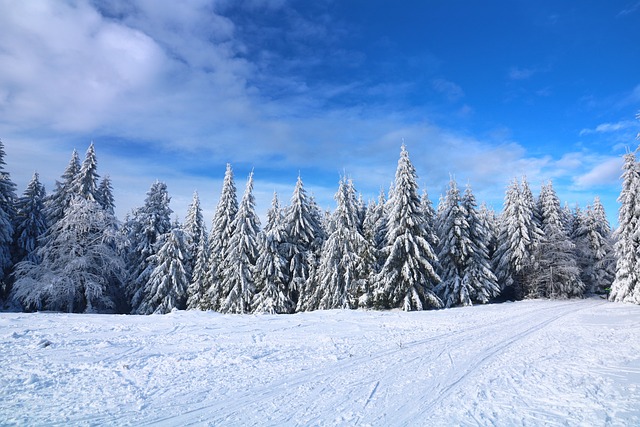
{"type": "Point", "coordinates": [174, 90]}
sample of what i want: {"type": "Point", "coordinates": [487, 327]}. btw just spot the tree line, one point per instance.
{"type": "Point", "coordinates": [67, 251]}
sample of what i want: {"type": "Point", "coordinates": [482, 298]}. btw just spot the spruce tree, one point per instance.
{"type": "Point", "coordinates": [194, 230]}
{"type": "Point", "coordinates": [31, 222]}
{"type": "Point", "coordinates": [479, 274]}
{"type": "Point", "coordinates": [555, 271]}
{"type": "Point", "coordinates": [166, 288]}
{"type": "Point", "coordinates": [221, 232]}
{"type": "Point", "coordinates": [489, 221]}
{"type": "Point", "coordinates": [604, 266]}
{"type": "Point", "coordinates": [466, 272]}
{"type": "Point", "coordinates": [238, 283]}
{"type": "Point", "coordinates": [272, 292]}
{"type": "Point", "coordinates": [594, 248]}
{"type": "Point", "coordinates": [303, 238]}
{"type": "Point", "coordinates": [104, 195]}
{"type": "Point", "coordinates": [518, 236]}
{"type": "Point", "coordinates": [85, 183]}
{"type": "Point", "coordinates": [375, 230]}
{"type": "Point", "coordinates": [60, 199]}
{"type": "Point", "coordinates": [407, 278]}
{"type": "Point", "coordinates": [194, 225]}
{"type": "Point", "coordinates": [7, 218]}
{"type": "Point", "coordinates": [200, 281]}
{"type": "Point", "coordinates": [530, 205]}
{"type": "Point", "coordinates": [275, 217]}
{"type": "Point", "coordinates": [430, 217]}
{"type": "Point", "coordinates": [454, 251]}
{"type": "Point", "coordinates": [143, 232]}
{"type": "Point", "coordinates": [79, 269]}
{"type": "Point", "coordinates": [627, 247]}
{"type": "Point", "coordinates": [341, 277]}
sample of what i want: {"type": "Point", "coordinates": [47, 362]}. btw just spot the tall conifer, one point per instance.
{"type": "Point", "coordinates": [408, 277]}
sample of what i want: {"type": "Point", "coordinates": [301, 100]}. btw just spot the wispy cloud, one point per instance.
{"type": "Point", "coordinates": [451, 91]}
{"type": "Point", "coordinates": [521, 73]}
{"type": "Point", "coordinates": [610, 127]}
{"type": "Point", "coordinates": [632, 8]}
{"type": "Point", "coordinates": [604, 173]}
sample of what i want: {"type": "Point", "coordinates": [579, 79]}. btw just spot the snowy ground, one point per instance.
{"type": "Point", "coordinates": [527, 363]}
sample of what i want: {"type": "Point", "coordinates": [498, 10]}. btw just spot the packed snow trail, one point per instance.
{"type": "Point", "coordinates": [573, 362]}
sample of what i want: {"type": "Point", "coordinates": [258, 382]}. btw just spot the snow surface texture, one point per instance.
{"type": "Point", "coordinates": [526, 363]}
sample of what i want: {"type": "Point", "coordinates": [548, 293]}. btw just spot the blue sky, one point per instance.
{"type": "Point", "coordinates": [483, 91]}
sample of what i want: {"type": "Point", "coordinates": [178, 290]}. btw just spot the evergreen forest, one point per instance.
{"type": "Point", "coordinates": [67, 251]}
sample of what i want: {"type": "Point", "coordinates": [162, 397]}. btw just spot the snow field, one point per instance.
{"type": "Point", "coordinates": [527, 363]}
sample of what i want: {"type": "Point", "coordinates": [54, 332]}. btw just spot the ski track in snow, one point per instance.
{"type": "Point", "coordinates": [566, 362]}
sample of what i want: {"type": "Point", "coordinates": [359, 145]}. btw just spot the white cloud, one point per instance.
{"type": "Point", "coordinates": [450, 90]}
{"type": "Point", "coordinates": [68, 69]}
{"type": "Point", "coordinates": [521, 73]}
{"type": "Point", "coordinates": [610, 127]}
{"type": "Point", "coordinates": [605, 173]}
{"type": "Point", "coordinates": [175, 78]}
{"type": "Point", "coordinates": [630, 9]}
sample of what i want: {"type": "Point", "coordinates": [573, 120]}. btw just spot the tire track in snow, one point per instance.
{"type": "Point", "coordinates": [484, 357]}
{"type": "Point", "coordinates": [330, 386]}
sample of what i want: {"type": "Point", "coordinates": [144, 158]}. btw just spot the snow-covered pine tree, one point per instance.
{"type": "Point", "coordinates": [430, 218]}
{"type": "Point", "coordinates": [605, 259]}
{"type": "Point", "coordinates": [166, 288]}
{"type": "Point", "coordinates": [439, 213]}
{"type": "Point", "coordinates": [489, 222]}
{"type": "Point", "coordinates": [555, 271]}
{"type": "Point", "coordinates": [303, 237]}
{"type": "Point", "coordinates": [594, 248]}
{"type": "Point", "coordinates": [221, 232]}
{"type": "Point", "coordinates": [454, 250]}
{"type": "Point", "coordinates": [532, 206]}
{"type": "Point", "coordinates": [200, 280]}
{"type": "Point", "coordinates": [479, 274]}
{"type": "Point", "coordinates": [79, 270]}
{"type": "Point", "coordinates": [408, 277]}
{"type": "Point", "coordinates": [517, 239]}
{"type": "Point", "coordinates": [324, 219]}
{"type": "Point", "coordinates": [465, 267]}
{"type": "Point", "coordinates": [143, 232]}
{"type": "Point", "coordinates": [31, 222]}
{"type": "Point", "coordinates": [371, 254]}
{"type": "Point", "coordinates": [7, 218]}
{"type": "Point", "coordinates": [238, 278]}
{"type": "Point", "coordinates": [321, 218]}
{"type": "Point", "coordinates": [627, 247]}
{"type": "Point", "coordinates": [375, 230]}
{"type": "Point", "coordinates": [341, 278]}
{"type": "Point", "coordinates": [272, 292]}
{"type": "Point", "coordinates": [104, 195]}
{"type": "Point", "coordinates": [368, 223]}
{"type": "Point", "coordinates": [568, 218]}
{"type": "Point", "coordinates": [362, 211]}
{"type": "Point", "coordinates": [194, 224]}
{"type": "Point", "coordinates": [275, 217]}
{"type": "Point", "coordinates": [85, 183]}
{"type": "Point", "coordinates": [577, 233]}
{"type": "Point", "coordinates": [57, 203]}
{"type": "Point", "coordinates": [194, 229]}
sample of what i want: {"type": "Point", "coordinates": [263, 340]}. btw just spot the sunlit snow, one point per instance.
{"type": "Point", "coordinates": [534, 363]}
